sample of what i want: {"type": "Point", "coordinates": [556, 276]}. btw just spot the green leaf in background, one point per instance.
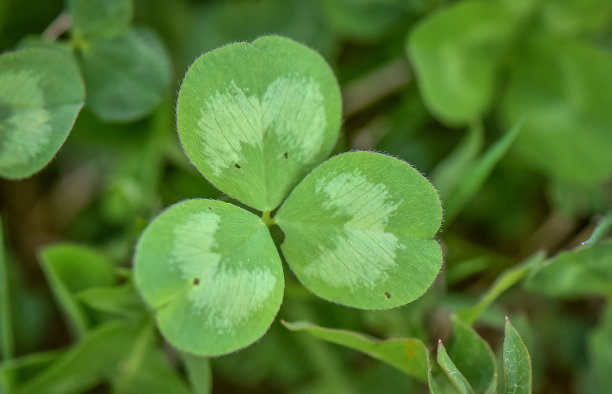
{"type": "Point", "coordinates": [17, 371]}
{"type": "Point", "coordinates": [604, 226]}
{"type": "Point", "coordinates": [144, 368]}
{"type": "Point", "coordinates": [125, 75]}
{"type": "Point", "coordinates": [117, 300]}
{"type": "Point", "coordinates": [450, 369]}
{"type": "Point", "coordinates": [99, 18]}
{"type": "Point", "coordinates": [86, 364]}
{"type": "Point", "coordinates": [506, 280]}
{"type": "Point", "coordinates": [198, 372]}
{"type": "Point", "coordinates": [447, 175]}
{"type": "Point", "coordinates": [409, 355]}
{"type": "Point", "coordinates": [600, 353]}
{"type": "Point", "coordinates": [213, 275]}
{"type": "Point", "coordinates": [7, 341]}
{"type": "Point", "coordinates": [70, 269]}
{"type": "Point", "coordinates": [517, 363]}
{"type": "Point", "coordinates": [359, 231]}
{"type": "Point", "coordinates": [576, 17]}
{"type": "Point", "coordinates": [563, 90]}
{"type": "Point", "coordinates": [456, 53]}
{"type": "Point", "coordinates": [41, 95]}
{"type": "Point", "coordinates": [477, 173]}
{"type": "Point", "coordinates": [255, 118]}
{"type": "Point", "coordinates": [473, 357]}
{"type": "Point", "coordinates": [578, 273]}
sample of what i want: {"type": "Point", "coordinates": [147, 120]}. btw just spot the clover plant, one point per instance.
{"type": "Point", "coordinates": [257, 119]}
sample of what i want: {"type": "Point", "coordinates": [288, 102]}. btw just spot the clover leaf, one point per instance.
{"type": "Point", "coordinates": [41, 95]}
{"type": "Point", "coordinates": [254, 119]}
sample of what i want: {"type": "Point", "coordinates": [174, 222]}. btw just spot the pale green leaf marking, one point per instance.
{"type": "Point", "coordinates": [255, 118]}
{"type": "Point", "coordinates": [232, 119]}
{"type": "Point", "coordinates": [359, 231]}
{"type": "Point", "coordinates": [40, 96]}
{"type": "Point", "coordinates": [517, 363]}
{"type": "Point", "coordinates": [212, 272]}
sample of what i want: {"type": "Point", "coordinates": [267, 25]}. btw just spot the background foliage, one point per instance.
{"type": "Point", "coordinates": [504, 105]}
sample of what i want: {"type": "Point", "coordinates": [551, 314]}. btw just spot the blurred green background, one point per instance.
{"type": "Point", "coordinates": [436, 83]}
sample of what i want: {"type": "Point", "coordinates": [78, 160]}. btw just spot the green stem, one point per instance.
{"type": "Point", "coordinates": [265, 217]}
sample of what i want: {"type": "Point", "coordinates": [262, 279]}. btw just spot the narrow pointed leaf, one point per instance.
{"type": "Point", "coordinates": [7, 343]}
{"type": "Point", "coordinates": [41, 94]}
{"type": "Point", "coordinates": [409, 355]}
{"type": "Point", "coordinates": [125, 75]}
{"type": "Point", "coordinates": [478, 172]}
{"type": "Point", "coordinates": [359, 231]}
{"type": "Point", "coordinates": [255, 118]}
{"type": "Point", "coordinates": [213, 275]}
{"type": "Point", "coordinates": [517, 363]}
{"type": "Point", "coordinates": [506, 280]}
{"type": "Point", "coordinates": [576, 273]}
{"type": "Point", "coordinates": [198, 372]}
{"type": "Point", "coordinates": [450, 369]}
{"type": "Point", "coordinates": [473, 357]}
{"type": "Point", "coordinates": [70, 269]}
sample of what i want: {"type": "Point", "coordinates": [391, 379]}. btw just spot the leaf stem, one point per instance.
{"type": "Point", "coordinates": [59, 26]}
{"type": "Point", "coordinates": [267, 219]}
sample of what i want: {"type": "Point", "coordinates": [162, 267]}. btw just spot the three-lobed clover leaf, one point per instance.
{"type": "Point", "coordinates": [255, 119]}
{"type": "Point", "coordinates": [41, 95]}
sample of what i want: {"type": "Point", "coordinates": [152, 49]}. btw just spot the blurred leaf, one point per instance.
{"type": "Point", "coordinates": [600, 353]}
{"type": "Point", "coordinates": [6, 319]}
{"type": "Point", "coordinates": [198, 372]}
{"type": "Point", "coordinates": [456, 54]}
{"type": "Point", "coordinates": [409, 355]}
{"type": "Point", "coordinates": [478, 172]}
{"type": "Point", "coordinates": [365, 20]}
{"type": "Point", "coordinates": [578, 273]}
{"type": "Point", "coordinates": [41, 94]}
{"type": "Point", "coordinates": [447, 175]}
{"type": "Point", "coordinates": [94, 358]}
{"type": "Point", "coordinates": [517, 363]}
{"type": "Point", "coordinates": [70, 269]}
{"type": "Point", "coordinates": [604, 225]}
{"type": "Point", "coordinates": [506, 280]}
{"type": "Point", "coordinates": [19, 370]}
{"type": "Point", "coordinates": [117, 300]}
{"type": "Point", "coordinates": [144, 368]}
{"type": "Point", "coordinates": [563, 90]}
{"type": "Point", "coordinates": [100, 18]}
{"type": "Point", "coordinates": [473, 357]}
{"type": "Point", "coordinates": [125, 75]}
{"type": "Point", "coordinates": [576, 17]}
{"type": "Point", "coordinates": [455, 376]}
{"type": "Point", "coordinates": [217, 23]}
{"type": "Point", "coordinates": [359, 231]}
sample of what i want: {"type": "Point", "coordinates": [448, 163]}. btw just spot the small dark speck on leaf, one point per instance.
{"type": "Point", "coordinates": [209, 208]}
{"type": "Point", "coordinates": [286, 155]}
{"type": "Point", "coordinates": [236, 165]}
{"type": "Point", "coordinates": [196, 281]}
{"type": "Point", "coordinates": [388, 295]}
